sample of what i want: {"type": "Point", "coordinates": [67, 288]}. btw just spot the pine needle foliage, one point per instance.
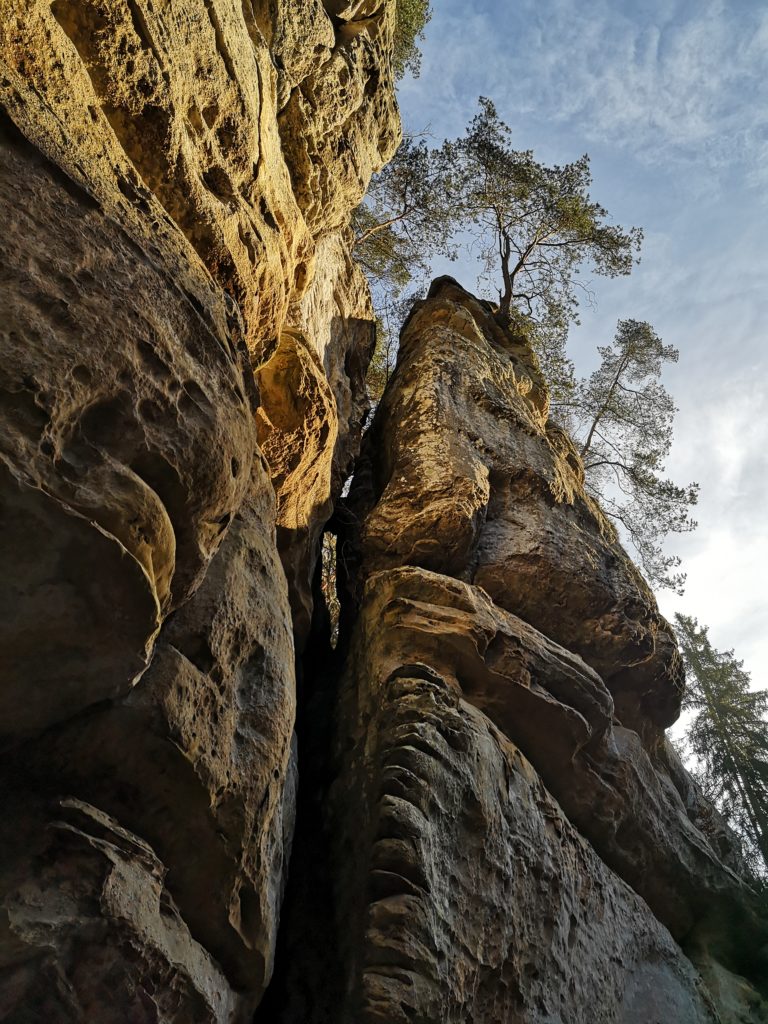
{"type": "Point", "coordinates": [404, 220]}
{"type": "Point", "coordinates": [532, 226]}
{"type": "Point", "coordinates": [411, 19]}
{"type": "Point", "coordinates": [727, 737]}
{"type": "Point", "coordinates": [622, 417]}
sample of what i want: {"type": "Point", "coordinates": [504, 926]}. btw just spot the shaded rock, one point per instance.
{"type": "Point", "coordinates": [313, 405]}
{"type": "Point", "coordinates": [464, 475]}
{"type": "Point", "coordinates": [557, 710]}
{"type": "Point", "coordinates": [337, 317]}
{"type": "Point", "coordinates": [199, 759]}
{"type": "Point", "coordinates": [163, 240]}
{"type": "Point", "coordinates": [126, 442]}
{"type": "Point", "coordinates": [699, 809]}
{"type": "Point", "coordinates": [351, 10]}
{"type": "Point", "coordinates": [462, 891]}
{"type": "Point", "coordinates": [298, 427]}
{"type": "Point", "coordinates": [168, 116]}
{"type": "Point", "coordinates": [88, 930]}
{"type": "Point", "coordinates": [737, 1001]}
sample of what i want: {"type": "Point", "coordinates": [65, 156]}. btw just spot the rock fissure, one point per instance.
{"type": "Point", "coordinates": [220, 804]}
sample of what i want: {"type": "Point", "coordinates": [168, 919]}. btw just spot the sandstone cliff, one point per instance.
{"type": "Point", "coordinates": [184, 342]}
{"type": "Point", "coordinates": [468, 810]}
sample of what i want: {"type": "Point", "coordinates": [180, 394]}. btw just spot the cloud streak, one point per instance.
{"type": "Point", "coordinates": [656, 78]}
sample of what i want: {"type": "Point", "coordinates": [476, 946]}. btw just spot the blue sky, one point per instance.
{"type": "Point", "coordinates": [670, 99]}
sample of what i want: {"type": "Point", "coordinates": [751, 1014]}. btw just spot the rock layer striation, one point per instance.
{"type": "Point", "coordinates": [486, 586]}
{"type": "Point", "coordinates": [469, 809]}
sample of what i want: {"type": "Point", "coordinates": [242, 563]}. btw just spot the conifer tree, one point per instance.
{"type": "Point", "coordinates": [406, 218]}
{"type": "Point", "coordinates": [532, 226]}
{"type": "Point", "coordinates": [622, 418]}
{"type": "Point", "coordinates": [411, 17]}
{"type": "Point", "coordinates": [727, 736]}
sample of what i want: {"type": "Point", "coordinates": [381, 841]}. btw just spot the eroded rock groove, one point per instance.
{"type": "Point", "coordinates": [466, 810]}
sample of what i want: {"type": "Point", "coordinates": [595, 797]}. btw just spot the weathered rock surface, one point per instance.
{"type": "Point", "coordinates": [174, 107]}
{"type": "Point", "coordinates": [339, 124]}
{"type": "Point", "coordinates": [492, 825]}
{"type": "Point", "coordinates": [126, 442]}
{"type": "Point", "coordinates": [463, 892]}
{"type": "Point", "coordinates": [176, 180]}
{"type": "Point", "coordinates": [239, 133]}
{"type": "Point", "coordinates": [558, 712]}
{"type": "Point", "coordinates": [198, 759]}
{"type": "Point", "coordinates": [89, 931]}
{"type": "Point", "coordinates": [465, 476]}
{"type": "Point", "coordinates": [312, 408]}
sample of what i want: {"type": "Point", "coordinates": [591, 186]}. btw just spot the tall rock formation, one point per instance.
{"type": "Point", "coordinates": [184, 340]}
{"type": "Point", "coordinates": [477, 676]}
{"type": "Point", "coordinates": [468, 810]}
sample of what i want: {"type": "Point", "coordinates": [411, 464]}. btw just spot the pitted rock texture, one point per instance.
{"type": "Point", "coordinates": [463, 892]}
{"type": "Point", "coordinates": [176, 182]}
{"type": "Point", "coordinates": [90, 930]}
{"type": "Point", "coordinates": [199, 758]}
{"type": "Point", "coordinates": [237, 136]}
{"type": "Point", "coordinates": [559, 713]}
{"type": "Point", "coordinates": [127, 438]}
{"type": "Point", "coordinates": [464, 475]}
{"type": "Point", "coordinates": [174, 108]}
{"type": "Point", "coordinates": [338, 125]}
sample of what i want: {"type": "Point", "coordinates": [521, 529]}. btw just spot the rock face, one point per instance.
{"type": "Point", "coordinates": [465, 475]}
{"type": "Point", "coordinates": [92, 932]}
{"type": "Point", "coordinates": [184, 340]}
{"type": "Point", "coordinates": [250, 128]}
{"type": "Point", "coordinates": [490, 598]}
{"type": "Point", "coordinates": [313, 403]}
{"type": "Point", "coordinates": [483, 902]}
{"type": "Point", "coordinates": [235, 137]}
{"type": "Point", "coordinates": [483, 818]}
{"type": "Point", "coordinates": [560, 714]}
{"type": "Point", "coordinates": [199, 756]}
{"type": "Point", "coordinates": [127, 443]}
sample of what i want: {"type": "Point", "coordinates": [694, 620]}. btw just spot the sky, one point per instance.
{"type": "Point", "coordinates": [670, 100]}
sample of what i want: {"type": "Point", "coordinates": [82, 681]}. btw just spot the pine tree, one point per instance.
{"type": "Point", "coordinates": [406, 218]}
{"type": "Point", "coordinates": [622, 418]}
{"type": "Point", "coordinates": [531, 225]}
{"type": "Point", "coordinates": [727, 736]}
{"type": "Point", "coordinates": [411, 17]}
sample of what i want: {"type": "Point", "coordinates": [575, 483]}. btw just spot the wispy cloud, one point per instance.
{"type": "Point", "coordinates": [670, 80]}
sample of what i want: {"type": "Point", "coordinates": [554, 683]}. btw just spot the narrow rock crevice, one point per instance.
{"type": "Point", "coordinates": [223, 798]}
{"type": "Point", "coordinates": [309, 978]}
